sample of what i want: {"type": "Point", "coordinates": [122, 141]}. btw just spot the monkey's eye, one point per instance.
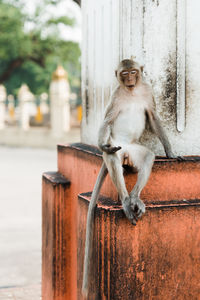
{"type": "Point", "coordinates": [133, 72]}
{"type": "Point", "coordinates": [124, 74]}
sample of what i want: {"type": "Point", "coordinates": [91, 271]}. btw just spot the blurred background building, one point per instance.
{"type": "Point", "coordinates": [40, 106]}
{"type": "Point", "coordinates": [39, 72]}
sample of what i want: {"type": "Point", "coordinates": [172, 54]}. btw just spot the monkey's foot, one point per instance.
{"type": "Point", "coordinates": [127, 207]}
{"type": "Point", "coordinates": [137, 206]}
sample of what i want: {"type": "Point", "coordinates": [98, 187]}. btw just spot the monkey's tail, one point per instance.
{"type": "Point", "coordinates": [90, 227]}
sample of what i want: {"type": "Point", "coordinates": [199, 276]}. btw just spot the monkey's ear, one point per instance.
{"type": "Point", "coordinates": [142, 68]}
{"type": "Point", "coordinates": [116, 73]}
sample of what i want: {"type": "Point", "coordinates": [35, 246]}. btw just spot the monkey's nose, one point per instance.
{"type": "Point", "coordinates": [130, 78]}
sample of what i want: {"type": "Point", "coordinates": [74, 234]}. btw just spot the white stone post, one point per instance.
{"type": "Point", "coordinates": [44, 107]}
{"type": "Point", "coordinates": [25, 99]}
{"type": "Point", "coordinates": [59, 102]}
{"type": "Point", "coordinates": [11, 108]}
{"type": "Point", "coordinates": [2, 106]}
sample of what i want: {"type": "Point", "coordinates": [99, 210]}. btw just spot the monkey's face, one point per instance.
{"type": "Point", "coordinates": [129, 78]}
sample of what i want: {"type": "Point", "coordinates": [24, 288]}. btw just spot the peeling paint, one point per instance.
{"type": "Point", "coordinates": [168, 100]}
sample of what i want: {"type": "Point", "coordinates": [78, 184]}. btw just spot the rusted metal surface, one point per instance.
{"type": "Point", "coordinates": [55, 179]}
{"type": "Point", "coordinates": [157, 259]}
{"type": "Point", "coordinates": [58, 245]}
{"type": "Point", "coordinates": [169, 180]}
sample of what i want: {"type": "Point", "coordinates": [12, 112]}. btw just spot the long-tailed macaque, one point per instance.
{"type": "Point", "coordinates": [130, 107]}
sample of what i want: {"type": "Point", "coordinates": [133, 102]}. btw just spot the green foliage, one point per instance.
{"type": "Point", "coordinates": [11, 32]}
{"type": "Point", "coordinates": [31, 56]}
{"type": "Point", "coordinates": [64, 20]}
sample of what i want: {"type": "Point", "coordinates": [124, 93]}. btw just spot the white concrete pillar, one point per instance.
{"type": "Point", "coordinates": [163, 36]}
{"type": "Point", "coordinates": [59, 102]}
{"type": "Point", "coordinates": [44, 107]}
{"type": "Point", "coordinates": [26, 99]}
{"type": "Point", "coordinates": [2, 106]}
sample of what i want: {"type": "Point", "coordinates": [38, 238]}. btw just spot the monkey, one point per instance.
{"type": "Point", "coordinates": [131, 106]}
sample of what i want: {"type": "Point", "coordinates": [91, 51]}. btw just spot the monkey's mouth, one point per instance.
{"type": "Point", "coordinates": [130, 86]}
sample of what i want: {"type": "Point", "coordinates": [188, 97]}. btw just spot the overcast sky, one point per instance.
{"type": "Point", "coordinates": [66, 6]}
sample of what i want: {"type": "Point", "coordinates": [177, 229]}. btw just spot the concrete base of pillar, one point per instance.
{"type": "Point", "coordinates": [156, 259]}
{"type": "Point", "coordinates": [58, 252]}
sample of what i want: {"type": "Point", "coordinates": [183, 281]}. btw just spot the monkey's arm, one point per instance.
{"type": "Point", "coordinates": [104, 140]}
{"type": "Point", "coordinates": [157, 128]}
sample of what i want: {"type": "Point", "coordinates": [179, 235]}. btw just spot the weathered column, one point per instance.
{"type": "Point", "coordinates": [162, 37]}
{"type": "Point", "coordinates": [25, 100]}
{"type": "Point", "coordinates": [59, 99]}
{"type": "Point", "coordinates": [2, 106]}
{"type": "Point", "coordinates": [149, 260]}
{"type": "Point", "coordinates": [58, 251]}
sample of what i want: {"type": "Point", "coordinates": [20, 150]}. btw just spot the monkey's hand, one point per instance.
{"type": "Point", "coordinates": [110, 149]}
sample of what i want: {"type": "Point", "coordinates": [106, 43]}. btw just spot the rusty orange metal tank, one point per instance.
{"type": "Point", "coordinates": [157, 259]}
{"type": "Point", "coordinates": [58, 257]}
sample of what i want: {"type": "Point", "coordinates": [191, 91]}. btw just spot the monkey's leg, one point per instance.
{"type": "Point", "coordinates": [113, 163]}
{"type": "Point", "coordinates": [143, 159]}
{"type": "Point", "coordinates": [90, 227]}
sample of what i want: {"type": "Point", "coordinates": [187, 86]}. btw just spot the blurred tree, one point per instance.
{"type": "Point", "coordinates": [31, 56]}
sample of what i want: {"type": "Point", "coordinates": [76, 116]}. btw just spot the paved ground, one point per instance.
{"type": "Point", "coordinates": [20, 220]}
{"type": "Point", "coordinates": [32, 292]}
{"type": "Point", "coordinates": [36, 137]}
